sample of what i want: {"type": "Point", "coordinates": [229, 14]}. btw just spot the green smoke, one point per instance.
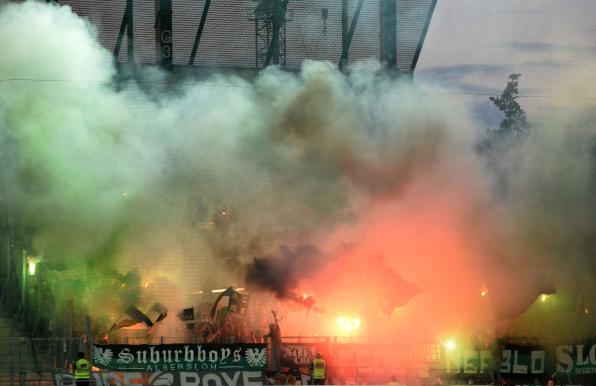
{"type": "Point", "coordinates": [137, 196]}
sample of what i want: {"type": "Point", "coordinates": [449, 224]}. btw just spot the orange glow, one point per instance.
{"type": "Point", "coordinates": [136, 326]}
{"type": "Point", "coordinates": [424, 237]}
{"type": "Point", "coordinates": [450, 344]}
{"type": "Point", "coordinates": [347, 325]}
{"type": "Point", "coordinates": [146, 285]}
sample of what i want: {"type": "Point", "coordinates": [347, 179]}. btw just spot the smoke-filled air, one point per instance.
{"type": "Point", "coordinates": [329, 193]}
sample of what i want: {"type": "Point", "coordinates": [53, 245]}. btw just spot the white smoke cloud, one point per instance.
{"type": "Point", "coordinates": [188, 185]}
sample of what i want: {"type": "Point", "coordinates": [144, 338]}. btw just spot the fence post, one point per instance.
{"type": "Point", "coordinates": [22, 369]}
{"type": "Point", "coordinates": [12, 360]}
{"type": "Point", "coordinates": [63, 354]}
{"type": "Point", "coordinates": [69, 354]}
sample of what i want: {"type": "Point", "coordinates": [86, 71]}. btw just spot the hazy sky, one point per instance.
{"type": "Point", "coordinates": [472, 46]}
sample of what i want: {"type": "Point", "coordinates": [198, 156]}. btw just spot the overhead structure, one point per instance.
{"type": "Point", "coordinates": [270, 21]}
{"type": "Point", "coordinates": [413, 22]}
{"type": "Point", "coordinates": [402, 26]}
{"type": "Point", "coordinates": [163, 33]}
{"type": "Point", "coordinates": [252, 34]}
{"type": "Point", "coordinates": [195, 45]}
{"type": "Point", "coordinates": [348, 34]}
{"type": "Point", "coordinates": [126, 26]}
{"type": "Point", "coordinates": [388, 34]}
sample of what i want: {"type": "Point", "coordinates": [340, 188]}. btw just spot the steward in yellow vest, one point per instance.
{"type": "Point", "coordinates": [318, 370]}
{"type": "Point", "coordinates": [82, 370]}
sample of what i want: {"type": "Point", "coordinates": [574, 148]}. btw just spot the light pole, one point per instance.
{"type": "Point", "coordinates": [29, 267]}
{"type": "Point", "coordinates": [24, 287]}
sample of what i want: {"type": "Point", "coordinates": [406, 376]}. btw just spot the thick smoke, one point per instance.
{"type": "Point", "coordinates": [315, 182]}
{"type": "Point", "coordinates": [281, 274]}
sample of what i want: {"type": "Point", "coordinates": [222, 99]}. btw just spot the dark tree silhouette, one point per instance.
{"type": "Point", "coordinates": [513, 130]}
{"type": "Point", "coordinates": [515, 121]}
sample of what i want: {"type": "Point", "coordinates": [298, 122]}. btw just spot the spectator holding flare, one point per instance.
{"type": "Point", "coordinates": [275, 335]}
{"type": "Point", "coordinates": [82, 370]}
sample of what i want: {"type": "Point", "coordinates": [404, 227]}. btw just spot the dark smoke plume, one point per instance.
{"type": "Point", "coordinates": [281, 274]}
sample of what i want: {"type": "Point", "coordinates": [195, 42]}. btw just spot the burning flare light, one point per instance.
{"type": "Point", "coordinates": [450, 344]}
{"type": "Point", "coordinates": [348, 325]}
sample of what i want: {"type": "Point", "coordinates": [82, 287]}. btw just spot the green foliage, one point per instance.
{"type": "Point", "coordinates": [515, 121]}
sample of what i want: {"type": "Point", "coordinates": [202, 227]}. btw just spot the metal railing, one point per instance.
{"type": "Point", "coordinates": [32, 361]}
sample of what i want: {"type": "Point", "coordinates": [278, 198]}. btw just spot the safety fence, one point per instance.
{"type": "Point", "coordinates": [32, 361]}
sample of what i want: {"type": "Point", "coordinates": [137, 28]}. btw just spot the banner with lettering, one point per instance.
{"type": "Point", "coordinates": [298, 355]}
{"type": "Point", "coordinates": [526, 363]}
{"type": "Point", "coordinates": [577, 359]}
{"type": "Point", "coordinates": [159, 378]}
{"type": "Point", "coordinates": [181, 357]}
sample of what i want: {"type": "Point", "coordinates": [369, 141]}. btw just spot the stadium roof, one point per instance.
{"type": "Point", "coordinates": [228, 39]}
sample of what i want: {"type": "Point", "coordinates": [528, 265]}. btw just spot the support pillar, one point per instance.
{"type": "Point", "coordinates": [388, 34]}
{"type": "Point", "coordinates": [163, 33]}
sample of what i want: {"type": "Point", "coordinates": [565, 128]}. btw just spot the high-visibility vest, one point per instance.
{"type": "Point", "coordinates": [82, 369]}
{"type": "Point", "coordinates": [318, 368]}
